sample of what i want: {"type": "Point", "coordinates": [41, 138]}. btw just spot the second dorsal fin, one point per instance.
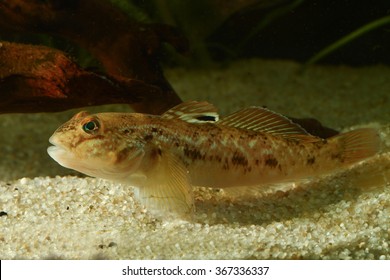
{"type": "Point", "coordinates": [193, 112]}
{"type": "Point", "coordinates": [264, 120]}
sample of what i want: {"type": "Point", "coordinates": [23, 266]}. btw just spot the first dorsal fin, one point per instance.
{"type": "Point", "coordinates": [264, 120]}
{"type": "Point", "coordinates": [193, 112]}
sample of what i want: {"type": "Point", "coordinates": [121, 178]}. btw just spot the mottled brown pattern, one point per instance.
{"type": "Point", "coordinates": [311, 160]}
{"type": "Point", "coordinates": [155, 130]}
{"type": "Point", "coordinates": [148, 137]}
{"type": "Point", "coordinates": [239, 159]}
{"type": "Point", "coordinates": [193, 154]}
{"type": "Point", "coordinates": [271, 162]}
{"type": "Point", "coordinates": [128, 131]}
{"type": "Point", "coordinates": [218, 158]}
{"type": "Point", "coordinates": [226, 165]}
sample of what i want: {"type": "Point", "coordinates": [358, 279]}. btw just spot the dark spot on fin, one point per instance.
{"type": "Point", "coordinates": [207, 118]}
{"type": "Point", "coordinates": [193, 112]}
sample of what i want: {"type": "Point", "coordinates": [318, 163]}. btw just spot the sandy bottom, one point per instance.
{"type": "Point", "coordinates": [49, 212]}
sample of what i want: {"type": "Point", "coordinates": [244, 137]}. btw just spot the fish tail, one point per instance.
{"type": "Point", "coordinates": [358, 144]}
{"type": "Point", "coordinates": [372, 176]}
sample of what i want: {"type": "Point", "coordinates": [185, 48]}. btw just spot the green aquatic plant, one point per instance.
{"type": "Point", "coordinates": [348, 38]}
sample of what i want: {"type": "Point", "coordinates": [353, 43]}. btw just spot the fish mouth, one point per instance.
{"type": "Point", "coordinates": [66, 158]}
{"type": "Point", "coordinates": [56, 151]}
{"type": "Point", "coordinates": [52, 140]}
{"type": "Point", "coordinates": [53, 150]}
{"type": "Point", "coordinates": [56, 142]}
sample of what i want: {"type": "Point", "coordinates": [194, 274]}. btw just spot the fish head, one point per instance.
{"type": "Point", "coordinates": [93, 145]}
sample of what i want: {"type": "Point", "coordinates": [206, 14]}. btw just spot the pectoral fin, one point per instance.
{"type": "Point", "coordinates": [166, 189]}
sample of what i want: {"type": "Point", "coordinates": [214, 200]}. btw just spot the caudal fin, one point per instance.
{"type": "Point", "coordinates": [358, 144]}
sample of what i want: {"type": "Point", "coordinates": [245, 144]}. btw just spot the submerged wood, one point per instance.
{"type": "Point", "coordinates": [41, 79]}
{"type": "Point", "coordinates": [127, 49]}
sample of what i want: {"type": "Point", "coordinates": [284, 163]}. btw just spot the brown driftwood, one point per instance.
{"type": "Point", "coordinates": [41, 79]}
{"type": "Point", "coordinates": [128, 51]}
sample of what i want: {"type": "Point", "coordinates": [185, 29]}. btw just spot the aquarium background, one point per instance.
{"type": "Point", "coordinates": [222, 31]}
{"type": "Point", "coordinates": [241, 53]}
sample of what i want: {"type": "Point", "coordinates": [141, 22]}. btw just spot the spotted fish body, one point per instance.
{"type": "Point", "coordinates": [164, 156]}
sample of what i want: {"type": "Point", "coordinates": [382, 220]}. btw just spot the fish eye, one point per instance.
{"type": "Point", "coordinates": [91, 127]}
